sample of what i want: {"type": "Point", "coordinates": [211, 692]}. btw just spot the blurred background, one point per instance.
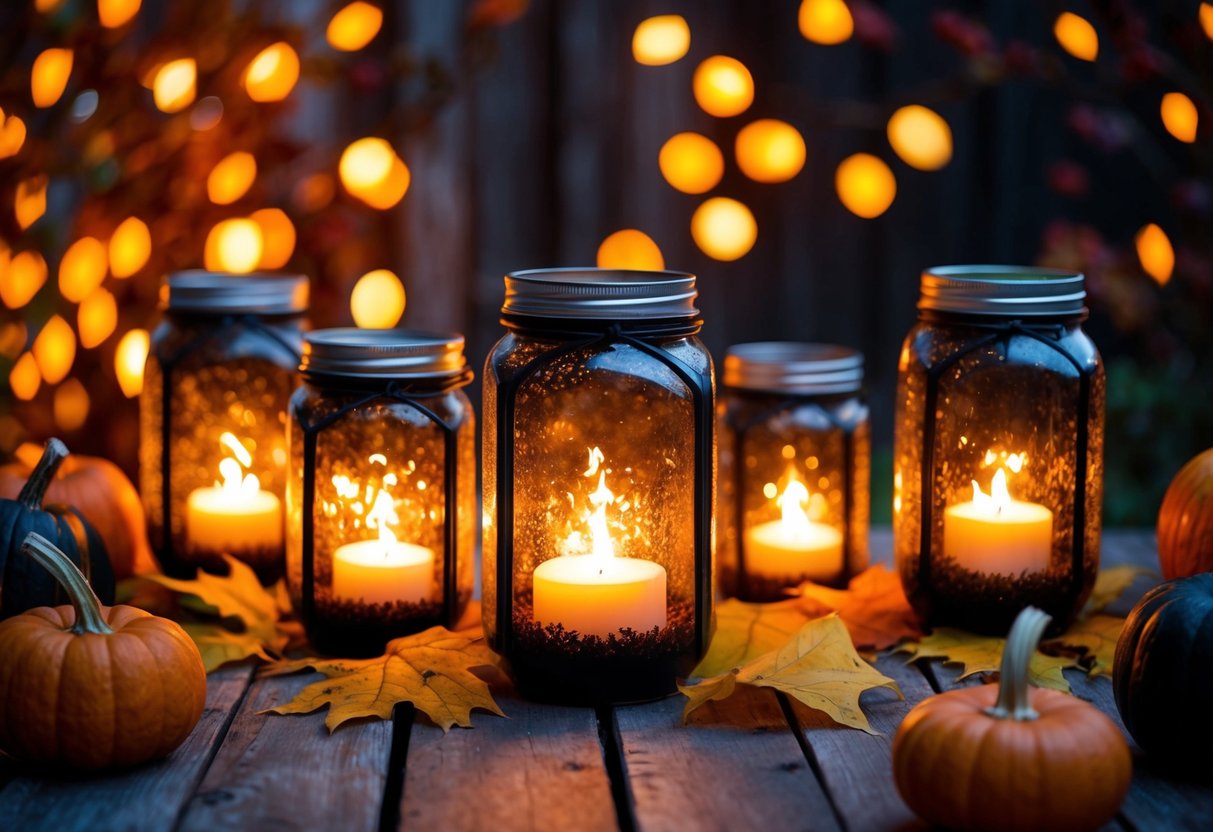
{"type": "Point", "coordinates": [806, 159]}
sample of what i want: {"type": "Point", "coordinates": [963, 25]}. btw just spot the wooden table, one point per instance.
{"type": "Point", "coordinates": [755, 761]}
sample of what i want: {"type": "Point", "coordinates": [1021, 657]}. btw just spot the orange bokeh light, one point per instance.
{"type": "Point", "coordinates": [769, 150]}
{"type": "Point", "coordinates": [661, 40]}
{"type": "Point", "coordinates": [630, 248]}
{"type": "Point", "coordinates": [272, 74]}
{"type": "Point", "coordinates": [723, 86]}
{"type": "Point", "coordinates": [354, 26]}
{"type": "Point", "coordinates": [865, 185]}
{"type": "Point", "coordinates": [691, 163]}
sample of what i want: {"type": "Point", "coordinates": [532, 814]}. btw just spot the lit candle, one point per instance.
{"type": "Point", "coordinates": [996, 534]}
{"type": "Point", "coordinates": [794, 546]}
{"type": "Point", "coordinates": [598, 593]}
{"type": "Point", "coordinates": [234, 516]}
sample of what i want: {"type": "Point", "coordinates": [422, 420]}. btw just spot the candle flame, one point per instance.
{"type": "Point", "coordinates": [383, 512]}
{"type": "Point", "coordinates": [234, 481]}
{"type": "Point", "coordinates": [356, 497]}
{"type": "Point", "coordinates": [601, 544]}
{"type": "Point", "coordinates": [999, 498]}
{"type": "Point", "coordinates": [793, 503]}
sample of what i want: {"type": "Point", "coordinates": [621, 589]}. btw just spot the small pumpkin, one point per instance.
{"type": "Point", "coordinates": [23, 584]}
{"type": "Point", "coordinates": [102, 493]}
{"type": "Point", "coordinates": [1185, 521]}
{"type": "Point", "coordinates": [1007, 757]}
{"type": "Point", "coordinates": [1163, 672]}
{"type": "Point", "coordinates": [91, 686]}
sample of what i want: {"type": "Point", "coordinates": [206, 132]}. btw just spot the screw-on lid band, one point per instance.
{"type": "Point", "coordinates": [1012, 291]}
{"type": "Point", "coordinates": [217, 293]}
{"type": "Point", "coordinates": [600, 294]}
{"type": "Point", "coordinates": [383, 354]}
{"type": "Point", "coordinates": [792, 367]}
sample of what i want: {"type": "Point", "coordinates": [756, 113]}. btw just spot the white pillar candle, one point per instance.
{"type": "Point", "coordinates": [599, 596]}
{"type": "Point", "coordinates": [234, 515]}
{"type": "Point", "coordinates": [998, 535]}
{"type": "Point", "coordinates": [793, 546]}
{"type": "Point", "coordinates": [383, 572]}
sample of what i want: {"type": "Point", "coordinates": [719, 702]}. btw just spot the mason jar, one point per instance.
{"type": "Point", "coordinates": [598, 484]}
{"type": "Point", "coordinates": [382, 487]}
{"type": "Point", "coordinates": [212, 456]}
{"type": "Point", "coordinates": [795, 451]}
{"type": "Point", "coordinates": [998, 448]}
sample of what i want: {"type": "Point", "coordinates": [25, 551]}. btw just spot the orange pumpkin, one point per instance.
{"type": "Point", "coordinates": [1185, 521]}
{"type": "Point", "coordinates": [91, 686]}
{"type": "Point", "coordinates": [998, 757]}
{"type": "Point", "coordinates": [99, 490]}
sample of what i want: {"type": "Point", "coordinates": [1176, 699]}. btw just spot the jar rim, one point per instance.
{"type": "Point", "coordinates": [793, 367]}
{"type": "Point", "coordinates": [349, 352]}
{"type": "Point", "coordinates": [202, 292]}
{"type": "Point", "coordinates": [1000, 290]}
{"type": "Point", "coordinates": [600, 294]}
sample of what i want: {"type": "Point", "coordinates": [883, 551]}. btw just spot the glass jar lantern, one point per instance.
{"type": "Point", "coordinates": [212, 458]}
{"type": "Point", "coordinates": [795, 450]}
{"type": "Point", "coordinates": [598, 484]}
{"type": "Point", "coordinates": [998, 448]}
{"type": "Point", "coordinates": [382, 487]}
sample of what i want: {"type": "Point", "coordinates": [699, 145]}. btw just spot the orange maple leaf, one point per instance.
{"type": "Point", "coordinates": [873, 607]}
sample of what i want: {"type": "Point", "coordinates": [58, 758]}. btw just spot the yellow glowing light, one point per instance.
{"type": "Point", "coordinates": [920, 137]}
{"type": "Point", "coordinates": [827, 22]}
{"type": "Point", "coordinates": [1206, 19]}
{"type": "Point", "coordinates": [865, 185]}
{"type": "Point", "coordinates": [377, 301]}
{"type": "Point", "coordinates": [630, 249]}
{"type": "Point", "coordinates": [24, 378]}
{"type": "Point", "coordinates": [231, 177]}
{"type": "Point", "coordinates": [130, 247]}
{"type": "Point", "coordinates": [47, 6]}
{"type": "Point", "coordinates": [661, 40]}
{"type": "Point", "coordinates": [55, 350]}
{"type": "Point", "coordinates": [233, 246]}
{"type": "Point", "coordinates": [12, 135]}
{"type": "Point", "coordinates": [12, 338]}
{"type": "Point", "coordinates": [1156, 254]}
{"type": "Point", "coordinates": [273, 73]}
{"type": "Point", "coordinates": [96, 318]}
{"type": "Point", "coordinates": [769, 150]}
{"type": "Point", "coordinates": [723, 86]}
{"type": "Point", "coordinates": [115, 13]}
{"type": "Point", "coordinates": [30, 202]}
{"type": "Point", "coordinates": [390, 191]}
{"type": "Point", "coordinates": [82, 268]}
{"type": "Point", "coordinates": [354, 26]}
{"type": "Point", "coordinates": [48, 78]}
{"type": "Point", "coordinates": [691, 163]}
{"type": "Point", "coordinates": [71, 405]}
{"type": "Point", "coordinates": [129, 359]}
{"type": "Point", "coordinates": [723, 228]}
{"type": "Point", "coordinates": [1179, 116]}
{"type": "Point", "coordinates": [26, 274]}
{"type": "Point", "coordinates": [173, 87]}
{"type": "Point", "coordinates": [1077, 36]}
{"type": "Point", "coordinates": [365, 164]}
{"type": "Point", "coordinates": [277, 236]}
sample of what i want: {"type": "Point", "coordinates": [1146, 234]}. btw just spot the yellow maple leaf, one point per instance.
{"type": "Point", "coordinates": [745, 631]}
{"type": "Point", "coordinates": [983, 654]}
{"type": "Point", "coordinates": [1110, 584]}
{"type": "Point", "coordinates": [219, 645]}
{"type": "Point", "coordinates": [432, 670]}
{"type": "Point", "coordinates": [1096, 638]}
{"type": "Point", "coordinates": [818, 666]}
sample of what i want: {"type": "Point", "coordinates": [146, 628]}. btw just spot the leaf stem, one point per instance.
{"type": "Point", "coordinates": [1017, 655]}
{"type": "Point", "coordinates": [34, 490]}
{"type": "Point", "coordinates": [89, 618]}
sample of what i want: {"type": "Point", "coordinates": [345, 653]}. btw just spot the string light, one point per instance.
{"type": "Point", "coordinates": [1179, 116]}
{"type": "Point", "coordinates": [1077, 36]}
{"type": "Point", "coordinates": [82, 268]}
{"type": "Point", "coordinates": [365, 164]}
{"type": "Point", "coordinates": [391, 190]}
{"type": "Point", "coordinates": [130, 247]}
{"type": "Point", "coordinates": [1206, 19]}
{"type": "Point", "coordinates": [234, 246]}
{"type": "Point", "coordinates": [920, 137]}
{"type": "Point", "coordinates": [26, 274]}
{"type": "Point", "coordinates": [724, 229]}
{"type": "Point", "coordinates": [630, 248]}
{"type": "Point", "coordinates": [272, 74]}
{"type": "Point", "coordinates": [769, 150]}
{"type": "Point", "coordinates": [115, 13]}
{"type": "Point", "coordinates": [723, 86]}
{"type": "Point", "coordinates": [354, 26]}
{"type": "Point", "coordinates": [173, 87]}
{"type": "Point", "coordinates": [691, 163]}
{"type": "Point", "coordinates": [71, 405]}
{"type": "Point", "coordinates": [827, 22]}
{"type": "Point", "coordinates": [49, 75]}
{"type": "Point", "coordinates": [377, 301]}
{"type": "Point", "coordinates": [55, 350]}
{"type": "Point", "coordinates": [129, 359]}
{"type": "Point", "coordinates": [1156, 254]}
{"type": "Point", "coordinates": [231, 177]}
{"type": "Point", "coordinates": [96, 318]}
{"type": "Point", "coordinates": [277, 236]}
{"type": "Point", "coordinates": [12, 135]}
{"type": "Point", "coordinates": [24, 378]}
{"type": "Point", "coordinates": [865, 185]}
{"type": "Point", "coordinates": [29, 204]}
{"type": "Point", "coordinates": [661, 40]}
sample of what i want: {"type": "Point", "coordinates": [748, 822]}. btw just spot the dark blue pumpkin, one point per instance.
{"type": "Point", "coordinates": [23, 583]}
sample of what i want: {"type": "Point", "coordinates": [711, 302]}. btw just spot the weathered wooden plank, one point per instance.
{"type": "Point", "coordinates": [540, 769]}
{"type": "Point", "coordinates": [737, 765]}
{"type": "Point", "coordinates": [857, 768]}
{"type": "Point", "coordinates": [149, 797]}
{"type": "Point", "coordinates": [287, 772]}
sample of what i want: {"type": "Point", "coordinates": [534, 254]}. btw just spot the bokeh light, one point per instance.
{"type": "Point", "coordinates": [691, 163]}
{"type": "Point", "coordinates": [129, 359]}
{"type": "Point", "coordinates": [25, 275]}
{"type": "Point", "coordinates": [920, 137]}
{"type": "Point", "coordinates": [1179, 116]}
{"type": "Point", "coordinates": [82, 268]}
{"type": "Point", "coordinates": [115, 13]}
{"type": "Point", "coordinates": [55, 350]}
{"type": "Point", "coordinates": [29, 203]}
{"type": "Point", "coordinates": [1206, 19]}
{"type": "Point", "coordinates": [174, 85]}
{"type": "Point", "coordinates": [12, 135]}
{"type": "Point", "coordinates": [231, 177]}
{"type": "Point", "coordinates": [377, 301]}
{"type": "Point", "coordinates": [71, 405]}
{"type": "Point", "coordinates": [661, 40]}
{"type": "Point", "coordinates": [391, 190]}
{"type": "Point", "coordinates": [130, 247]}
{"type": "Point", "coordinates": [723, 86]}
{"type": "Point", "coordinates": [1077, 36]}
{"type": "Point", "coordinates": [24, 378]}
{"type": "Point", "coordinates": [769, 150]}
{"type": "Point", "coordinates": [724, 229]}
{"type": "Point", "coordinates": [354, 26]}
{"type": "Point", "coordinates": [365, 163]}
{"type": "Point", "coordinates": [49, 75]}
{"type": "Point", "coordinates": [277, 237]}
{"type": "Point", "coordinates": [96, 318]}
{"type": "Point", "coordinates": [630, 248]}
{"type": "Point", "coordinates": [827, 22]}
{"type": "Point", "coordinates": [272, 74]}
{"type": "Point", "coordinates": [1156, 254]}
{"type": "Point", "coordinates": [865, 185]}
{"type": "Point", "coordinates": [234, 246]}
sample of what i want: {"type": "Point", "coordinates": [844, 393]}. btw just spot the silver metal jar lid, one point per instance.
{"type": "Point", "coordinates": [1017, 291]}
{"type": "Point", "coordinates": [217, 293]}
{"type": "Point", "coordinates": [600, 294]}
{"type": "Point", "coordinates": [383, 354]}
{"type": "Point", "coordinates": [793, 367]}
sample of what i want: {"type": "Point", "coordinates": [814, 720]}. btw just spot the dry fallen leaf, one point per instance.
{"type": "Point", "coordinates": [1110, 584]}
{"type": "Point", "coordinates": [1095, 639]}
{"type": "Point", "coordinates": [745, 631]}
{"type": "Point", "coordinates": [432, 670]}
{"type": "Point", "coordinates": [983, 654]}
{"type": "Point", "coordinates": [818, 666]}
{"type": "Point", "coordinates": [873, 606]}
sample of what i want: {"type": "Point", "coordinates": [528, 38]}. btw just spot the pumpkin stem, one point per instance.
{"type": "Point", "coordinates": [34, 490]}
{"type": "Point", "coordinates": [89, 618]}
{"type": "Point", "coordinates": [1017, 655]}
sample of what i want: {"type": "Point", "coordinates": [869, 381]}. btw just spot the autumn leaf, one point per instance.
{"type": "Point", "coordinates": [745, 631]}
{"type": "Point", "coordinates": [983, 654]}
{"type": "Point", "coordinates": [873, 607]}
{"type": "Point", "coordinates": [432, 670]}
{"type": "Point", "coordinates": [1110, 584]}
{"type": "Point", "coordinates": [1094, 639]}
{"type": "Point", "coordinates": [219, 645]}
{"type": "Point", "coordinates": [818, 666]}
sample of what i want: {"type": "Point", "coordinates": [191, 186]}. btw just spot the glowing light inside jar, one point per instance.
{"type": "Point", "coordinates": [234, 516]}
{"type": "Point", "coordinates": [795, 545]}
